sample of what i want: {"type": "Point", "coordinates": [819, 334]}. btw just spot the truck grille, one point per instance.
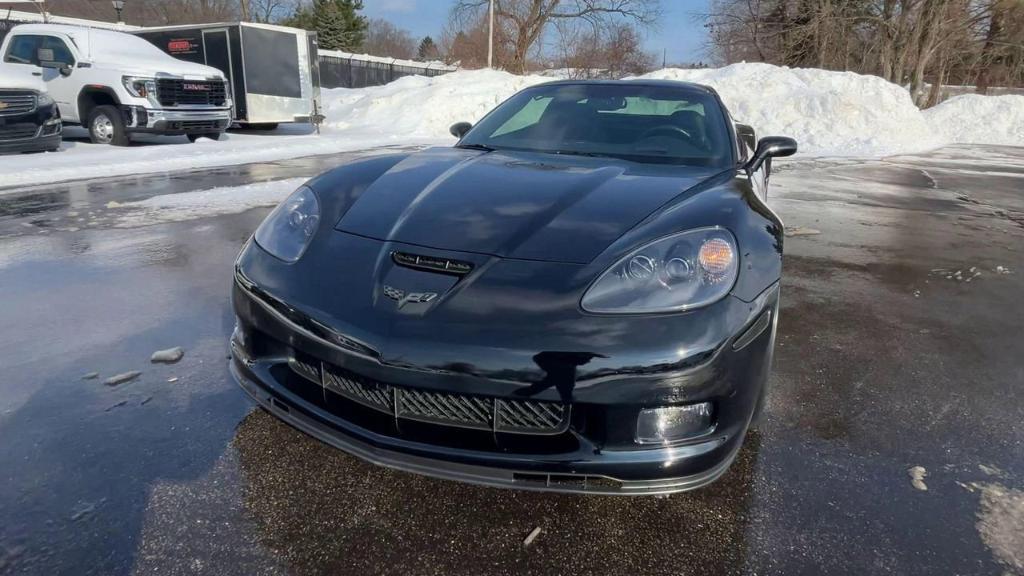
{"type": "Point", "coordinates": [174, 92]}
{"type": "Point", "coordinates": [14, 102]}
{"type": "Point", "coordinates": [22, 132]}
{"type": "Point", "coordinates": [480, 412]}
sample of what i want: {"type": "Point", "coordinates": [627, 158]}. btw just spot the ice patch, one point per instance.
{"type": "Point", "coordinates": [1001, 523]}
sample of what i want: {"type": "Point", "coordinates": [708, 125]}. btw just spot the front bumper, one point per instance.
{"type": "Point", "coordinates": [36, 131]}
{"type": "Point", "coordinates": [177, 122]}
{"type": "Point", "coordinates": [596, 454]}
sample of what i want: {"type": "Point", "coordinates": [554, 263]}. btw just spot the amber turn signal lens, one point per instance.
{"type": "Point", "coordinates": [716, 257]}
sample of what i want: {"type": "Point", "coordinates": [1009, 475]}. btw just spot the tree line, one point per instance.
{"type": "Point", "coordinates": [920, 44]}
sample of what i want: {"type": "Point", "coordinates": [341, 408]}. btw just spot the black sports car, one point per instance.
{"type": "Point", "coordinates": [580, 295]}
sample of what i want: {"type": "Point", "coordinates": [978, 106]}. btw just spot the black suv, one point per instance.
{"type": "Point", "coordinates": [29, 121]}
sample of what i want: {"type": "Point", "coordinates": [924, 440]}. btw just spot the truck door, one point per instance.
{"type": "Point", "coordinates": [55, 53]}
{"type": "Point", "coordinates": [20, 57]}
{"type": "Point", "coordinates": [218, 55]}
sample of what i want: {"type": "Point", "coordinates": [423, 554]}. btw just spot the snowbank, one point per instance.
{"type": "Point", "coordinates": [421, 106]}
{"type": "Point", "coordinates": [202, 203]}
{"type": "Point", "coordinates": [979, 119]}
{"type": "Point", "coordinates": [829, 113]}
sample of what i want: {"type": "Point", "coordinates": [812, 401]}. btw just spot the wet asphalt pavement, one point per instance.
{"type": "Point", "coordinates": [900, 345]}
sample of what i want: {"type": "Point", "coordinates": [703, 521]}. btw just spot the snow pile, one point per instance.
{"type": "Point", "coordinates": [972, 118]}
{"type": "Point", "coordinates": [829, 113]}
{"type": "Point", "coordinates": [417, 106]}
{"type": "Point", "coordinates": [203, 203]}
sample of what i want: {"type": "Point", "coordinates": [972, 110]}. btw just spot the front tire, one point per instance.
{"type": "Point", "coordinates": [211, 136]}
{"type": "Point", "coordinates": [106, 126]}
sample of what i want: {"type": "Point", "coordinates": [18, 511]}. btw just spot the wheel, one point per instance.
{"type": "Point", "coordinates": [211, 136]}
{"type": "Point", "coordinates": [106, 126]}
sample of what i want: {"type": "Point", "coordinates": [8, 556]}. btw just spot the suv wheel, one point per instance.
{"type": "Point", "coordinates": [211, 136]}
{"type": "Point", "coordinates": [106, 126]}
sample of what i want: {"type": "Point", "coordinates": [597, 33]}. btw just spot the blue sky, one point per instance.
{"type": "Point", "coordinates": [677, 32]}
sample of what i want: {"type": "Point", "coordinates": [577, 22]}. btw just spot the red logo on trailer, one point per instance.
{"type": "Point", "coordinates": [179, 46]}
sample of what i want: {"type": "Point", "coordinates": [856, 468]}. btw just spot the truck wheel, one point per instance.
{"type": "Point", "coordinates": [106, 126]}
{"type": "Point", "coordinates": [211, 136]}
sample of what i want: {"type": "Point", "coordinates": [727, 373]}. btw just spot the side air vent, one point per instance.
{"type": "Point", "coordinates": [431, 263]}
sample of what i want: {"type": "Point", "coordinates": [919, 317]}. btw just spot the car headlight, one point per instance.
{"type": "Point", "coordinates": [679, 272]}
{"type": "Point", "coordinates": [44, 100]}
{"type": "Point", "coordinates": [287, 231]}
{"type": "Point", "coordinates": [139, 87]}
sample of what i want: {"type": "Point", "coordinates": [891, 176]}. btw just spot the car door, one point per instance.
{"type": "Point", "coordinates": [53, 54]}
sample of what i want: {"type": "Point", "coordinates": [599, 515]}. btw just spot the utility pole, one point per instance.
{"type": "Point", "coordinates": [244, 10]}
{"type": "Point", "coordinates": [490, 35]}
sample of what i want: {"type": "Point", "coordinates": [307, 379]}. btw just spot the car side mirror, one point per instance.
{"type": "Point", "coordinates": [459, 129]}
{"type": "Point", "coordinates": [770, 147]}
{"type": "Point", "coordinates": [64, 70]}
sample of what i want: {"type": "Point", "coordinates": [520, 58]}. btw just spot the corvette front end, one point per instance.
{"type": "Point", "coordinates": [567, 320]}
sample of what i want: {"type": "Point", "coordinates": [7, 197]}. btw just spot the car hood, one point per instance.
{"type": "Point", "coordinates": [555, 208]}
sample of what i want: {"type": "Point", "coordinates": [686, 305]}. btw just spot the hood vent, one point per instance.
{"type": "Point", "coordinates": [432, 263]}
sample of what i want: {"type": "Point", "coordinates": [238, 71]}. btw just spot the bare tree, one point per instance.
{"type": "Point", "coordinates": [612, 52]}
{"type": "Point", "coordinates": [910, 42]}
{"type": "Point", "coordinates": [464, 41]}
{"type": "Point", "coordinates": [267, 11]}
{"type": "Point", "coordinates": [525, 21]}
{"type": "Point", "coordinates": [385, 39]}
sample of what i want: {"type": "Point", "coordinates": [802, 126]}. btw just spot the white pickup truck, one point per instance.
{"type": "Point", "coordinates": [117, 84]}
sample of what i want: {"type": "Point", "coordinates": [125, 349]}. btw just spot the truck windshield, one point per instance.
{"type": "Point", "coordinates": [637, 122]}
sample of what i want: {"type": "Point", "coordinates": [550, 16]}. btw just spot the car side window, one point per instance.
{"type": "Point", "coordinates": [61, 52]}
{"type": "Point", "coordinates": [23, 49]}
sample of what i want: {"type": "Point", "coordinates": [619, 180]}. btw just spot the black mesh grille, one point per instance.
{"type": "Point", "coordinates": [18, 133]}
{"type": "Point", "coordinates": [14, 102]}
{"type": "Point", "coordinates": [469, 411]}
{"type": "Point", "coordinates": [499, 415]}
{"type": "Point", "coordinates": [173, 92]}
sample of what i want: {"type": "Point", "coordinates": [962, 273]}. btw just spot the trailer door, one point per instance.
{"type": "Point", "coordinates": [218, 55]}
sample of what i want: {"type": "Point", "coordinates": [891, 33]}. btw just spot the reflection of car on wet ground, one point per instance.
{"type": "Point", "coordinates": [29, 118]}
{"type": "Point", "coordinates": [581, 295]}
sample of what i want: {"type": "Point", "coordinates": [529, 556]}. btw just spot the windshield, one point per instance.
{"type": "Point", "coordinates": [637, 122]}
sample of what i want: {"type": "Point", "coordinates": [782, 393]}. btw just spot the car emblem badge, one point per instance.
{"type": "Point", "coordinates": [404, 298]}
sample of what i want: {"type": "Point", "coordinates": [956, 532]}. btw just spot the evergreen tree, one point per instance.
{"type": "Point", "coordinates": [427, 50]}
{"type": "Point", "coordinates": [354, 25]}
{"type": "Point", "coordinates": [338, 24]}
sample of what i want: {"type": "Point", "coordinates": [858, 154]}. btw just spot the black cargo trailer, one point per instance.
{"type": "Point", "coordinates": [273, 71]}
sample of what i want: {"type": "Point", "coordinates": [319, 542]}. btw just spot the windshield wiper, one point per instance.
{"type": "Point", "coordinates": [587, 154]}
{"type": "Point", "coordinates": [483, 147]}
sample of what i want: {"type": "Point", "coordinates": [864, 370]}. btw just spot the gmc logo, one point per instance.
{"type": "Point", "coordinates": [195, 87]}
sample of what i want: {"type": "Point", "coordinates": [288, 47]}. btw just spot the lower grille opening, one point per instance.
{"type": "Point", "coordinates": [577, 482]}
{"type": "Point", "coordinates": [302, 377]}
